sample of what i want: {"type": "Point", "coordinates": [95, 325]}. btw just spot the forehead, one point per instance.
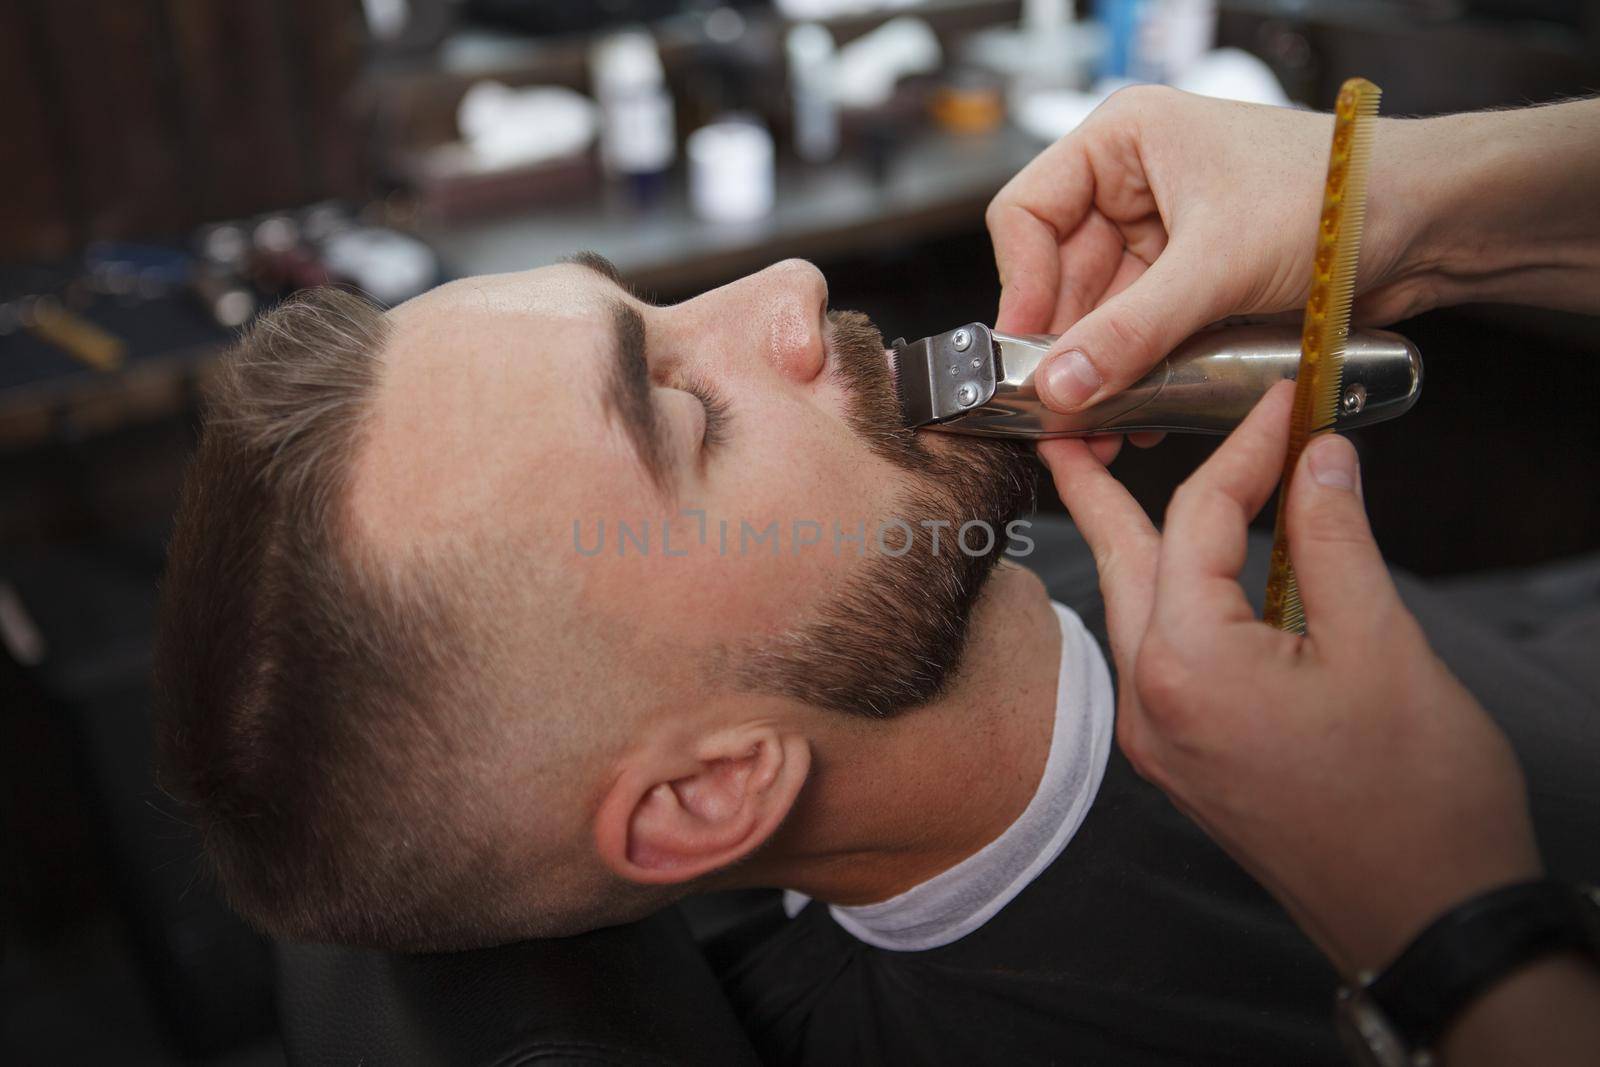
{"type": "Point", "coordinates": [565, 291]}
{"type": "Point", "coordinates": [490, 388]}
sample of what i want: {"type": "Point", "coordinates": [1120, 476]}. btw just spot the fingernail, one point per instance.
{"type": "Point", "coordinates": [1070, 380]}
{"type": "Point", "coordinates": [1333, 462]}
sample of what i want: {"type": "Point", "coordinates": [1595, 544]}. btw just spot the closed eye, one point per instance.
{"type": "Point", "coordinates": [717, 408]}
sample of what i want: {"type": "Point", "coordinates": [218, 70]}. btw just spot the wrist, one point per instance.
{"type": "Point", "coordinates": [1542, 1012]}
{"type": "Point", "coordinates": [1417, 193]}
{"type": "Point", "coordinates": [1370, 935]}
{"type": "Point", "coordinates": [1459, 175]}
{"type": "Point", "coordinates": [1498, 205]}
{"type": "Point", "coordinates": [1460, 971]}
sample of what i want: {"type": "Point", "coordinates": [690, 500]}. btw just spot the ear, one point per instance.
{"type": "Point", "coordinates": [669, 818]}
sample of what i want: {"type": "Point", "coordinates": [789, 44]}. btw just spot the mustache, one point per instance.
{"type": "Point", "coordinates": [872, 408]}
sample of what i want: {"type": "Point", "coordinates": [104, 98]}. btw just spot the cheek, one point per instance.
{"type": "Point", "coordinates": [788, 509]}
{"type": "Point", "coordinates": [790, 512]}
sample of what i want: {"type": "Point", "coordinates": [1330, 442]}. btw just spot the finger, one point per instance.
{"type": "Point", "coordinates": [1147, 438]}
{"type": "Point", "coordinates": [1344, 583]}
{"type": "Point", "coordinates": [1105, 447]}
{"type": "Point", "coordinates": [1089, 260]}
{"type": "Point", "coordinates": [1130, 268]}
{"type": "Point", "coordinates": [1208, 520]}
{"type": "Point", "coordinates": [1028, 220]}
{"type": "Point", "coordinates": [1120, 535]}
{"type": "Point", "coordinates": [1026, 253]}
{"type": "Point", "coordinates": [1118, 342]}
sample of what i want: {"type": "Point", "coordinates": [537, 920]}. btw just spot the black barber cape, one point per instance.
{"type": "Point", "coordinates": [1143, 943]}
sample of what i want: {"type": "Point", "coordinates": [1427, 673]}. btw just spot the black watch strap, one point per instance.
{"type": "Point", "coordinates": [1466, 950]}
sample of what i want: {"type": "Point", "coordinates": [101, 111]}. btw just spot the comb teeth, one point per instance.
{"type": "Point", "coordinates": [1319, 386]}
{"type": "Point", "coordinates": [1352, 207]}
{"type": "Point", "coordinates": [1292, 613]}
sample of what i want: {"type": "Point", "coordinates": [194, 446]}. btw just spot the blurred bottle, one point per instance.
{"type": "Point", "coordinates": [219, 281]}
{"type": "Point", "coordinates": [1155, 40]}
{"type": "Point", "coordinates": [816, 117]}
{"type": "Point", "coordinates": [1121, 21]}
{"type": "Point", "coordinates": [1045, 18]}
{"type": "Point", "coordinates": [637, 141]}
{"type": "Point", "coordinates": [1182, 32]}
{"type": "Point", "coordinates": [731, 172]}
{"type": "Point", "coordinates": [281, 260]}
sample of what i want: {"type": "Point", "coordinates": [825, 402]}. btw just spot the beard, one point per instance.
{"type": "Point", "coordinates": [892, 637]}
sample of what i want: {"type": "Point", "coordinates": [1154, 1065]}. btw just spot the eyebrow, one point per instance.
{"type": "Point", "coordinates": [600, 265]}
{"type": "Point", "coordinates": [594, 261]}
{"type": "Point", "coordinates": [627, 391]}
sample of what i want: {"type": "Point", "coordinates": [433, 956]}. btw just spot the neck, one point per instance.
{"type": "Point", "coordinates": [891, 804]}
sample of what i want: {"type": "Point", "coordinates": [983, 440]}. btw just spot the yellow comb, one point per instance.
{"type": "Point", "coordinates": [1319, 383]}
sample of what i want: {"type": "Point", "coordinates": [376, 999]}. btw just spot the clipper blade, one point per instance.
{"type": "Point", "coordinates": [944, 376]}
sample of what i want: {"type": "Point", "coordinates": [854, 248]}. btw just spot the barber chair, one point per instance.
{"type": "Point", "coordinates": [635, 994]}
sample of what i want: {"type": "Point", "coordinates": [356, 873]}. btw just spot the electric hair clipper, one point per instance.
{"type": "Point", "coordinates": [974, 380]}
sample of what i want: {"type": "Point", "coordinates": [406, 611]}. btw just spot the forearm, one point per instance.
{"type": "Point", "coordinates": [1545, 1013]}
{"type": "Point", "coordinates": [1507, 205]}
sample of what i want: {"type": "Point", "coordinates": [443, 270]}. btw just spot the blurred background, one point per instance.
{"type": "Point", "coordinates": [172, 167]}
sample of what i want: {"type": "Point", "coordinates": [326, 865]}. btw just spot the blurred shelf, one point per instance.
{"type": "Point", "coordinates": [47, 396]}
{"type": "Point", "coordinates": [935, 184]}
{"type": "Point", "coordinates": [413, 98]}
{"type": "Point", "coordinates": [1430, 58]}
{"type": "Point", "coordinates": [517, 58]}
{"type": "Point", "coordinates": [78, 406]}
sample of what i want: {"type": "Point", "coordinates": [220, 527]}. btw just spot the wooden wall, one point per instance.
{"type": "Point", "coordinates": [144, 118]}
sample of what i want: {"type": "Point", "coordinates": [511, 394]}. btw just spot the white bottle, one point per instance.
{"type": "Point", "coordinates": [811, 67]}
{"type": "Point", "coordinates": [731, 173]}
{"type": "Point", "coordinates": [638, 139]}
{"type": "Point", "coordinates": [1188, 30]}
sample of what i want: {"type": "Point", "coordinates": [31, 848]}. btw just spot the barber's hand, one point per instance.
{"type": "Point", "coordinates": [1348, 770]}
{"type": "Point", "coordinates": [1165, 212]}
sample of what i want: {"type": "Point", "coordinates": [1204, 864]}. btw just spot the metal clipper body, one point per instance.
{"type": "Point", "coordinates": [973, 380]}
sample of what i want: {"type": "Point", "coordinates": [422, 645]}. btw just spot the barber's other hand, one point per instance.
{"type": "Point", "coordinates": [1165, 212]}
{"type": "Point", "coordinates": [1348, 770]}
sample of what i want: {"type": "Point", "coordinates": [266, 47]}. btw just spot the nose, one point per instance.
{"type": "Point", "coordinates": [780, 313]}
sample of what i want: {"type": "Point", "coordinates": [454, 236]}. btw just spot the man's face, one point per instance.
{"type": "Point", "coordinates": [720, 488]}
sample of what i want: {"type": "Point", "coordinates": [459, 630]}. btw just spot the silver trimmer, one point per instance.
{"type": "Point", "coordinates": [974, 380]}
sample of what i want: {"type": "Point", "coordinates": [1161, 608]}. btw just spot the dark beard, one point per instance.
{"type": "Point", "coordinates": [892, 638]}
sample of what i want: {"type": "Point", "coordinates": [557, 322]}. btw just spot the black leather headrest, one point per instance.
{"type": "Point", "coordinates": [636, 994]}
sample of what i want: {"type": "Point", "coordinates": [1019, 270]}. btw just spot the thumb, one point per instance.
{"type": "Point", "coordinates": [1118, 342]}
{"type": "Point", "coordinates": [1344, 583]}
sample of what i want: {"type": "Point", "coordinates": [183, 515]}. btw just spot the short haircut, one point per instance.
{"type": "Point", "coordinates": [370, 750]}
{"type": "Point", "coordinates": [309, 695]}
